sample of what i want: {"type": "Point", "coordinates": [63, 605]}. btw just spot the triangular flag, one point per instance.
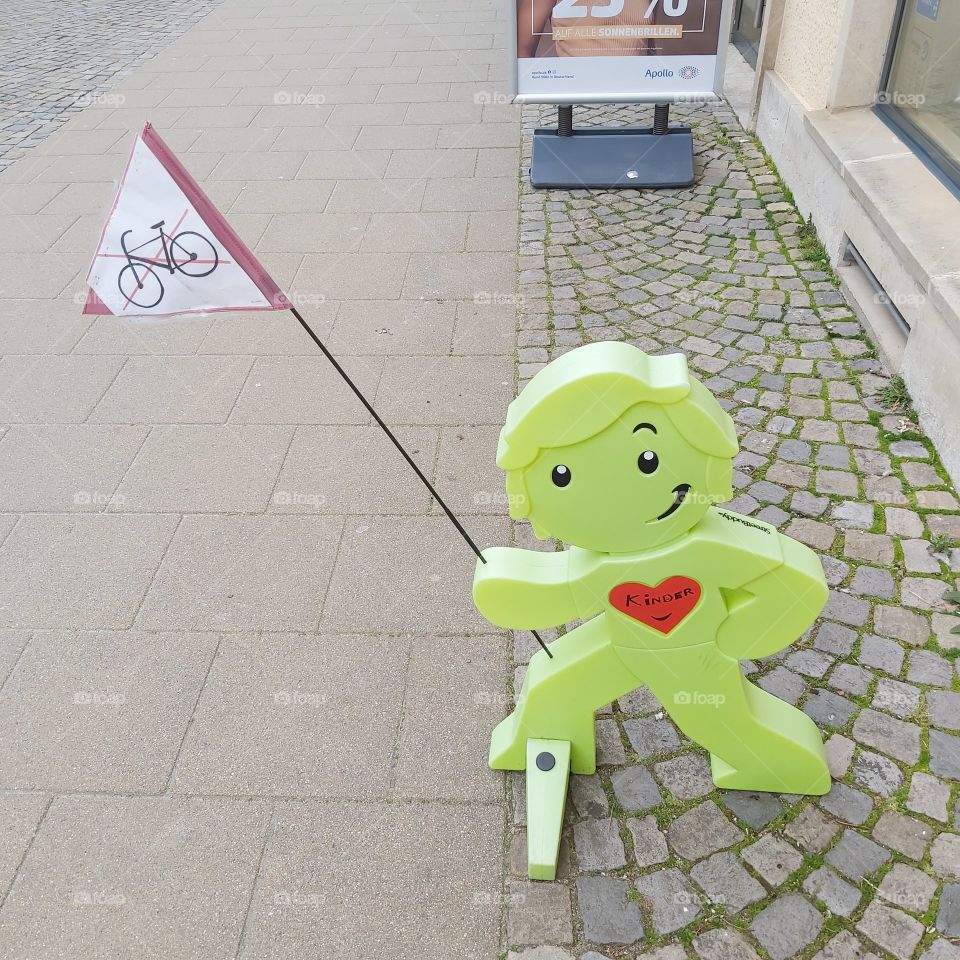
{"type": "Point", "coordinates": [166, 249]}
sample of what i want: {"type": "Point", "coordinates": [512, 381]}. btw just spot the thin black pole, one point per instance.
{"type": "Point", "coordinates": [406, 456]}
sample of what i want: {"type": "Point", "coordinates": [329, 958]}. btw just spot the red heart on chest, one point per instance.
{"type": "Point", "coordinates": [662, 607]}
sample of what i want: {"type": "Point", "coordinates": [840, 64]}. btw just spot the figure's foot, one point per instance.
{"type": "Point", "coordinates": [508, 747]}
{"type": "Point", "coordinates": [548, 773]}
{"type": "Point", "coordinates": [810, 778]}
{"type": "Point", "coordinates": [508, 742]}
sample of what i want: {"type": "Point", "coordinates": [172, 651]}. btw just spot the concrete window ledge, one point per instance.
{"type": "Point", "coordinates": [861, 182]}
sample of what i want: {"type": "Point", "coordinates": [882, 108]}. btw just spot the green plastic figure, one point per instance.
{"type": "Point", "coordinates": [623, 457]}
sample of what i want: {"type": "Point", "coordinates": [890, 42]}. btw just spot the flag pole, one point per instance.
{"type": "Point", "coordinates": [406, 456]}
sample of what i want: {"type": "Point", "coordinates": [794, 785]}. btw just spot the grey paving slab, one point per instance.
{"type": "Point", "coordinates": [269, 334]}
{"type": "Point", "coordinates": [58, 468]}
{"type": "Point", "coordinates": [360, 276]}
{"type": "Point", "coordinates": [297, 715]}
{"type": "Point", "coordinates": [486, 326]}
{"type": "Point", "coordinates": [476, 193]}
{"type": "Point", "coordinates": [397, 137]}
{"type": "Point", "coordinates": [79, 571]}
{"type": "Point", "coordinates": [341, 864]}
{"type": "Point", "coordinates": [39, 326]}
{"type": "Point", "coordinates": [334, 160]}
{"type": "Point", "coordinates": [415, 232]}
{"type": "Point", "coordinates": [305, 390]}
{"type": "Point", "coordinates": [308, 233]}
{"type": "Point", "coordinates": [173, 390]}
{"type": "Point", "coordinates": [134, 335]}
{"type": "Point", "coordinates": [461, 276]}
{"type": "Point", "coordinates": [106, 873]}
{"type": "Point", "coordinates": [243, 573]}
{"type": "Point", "coordinates": [423, 163]}
{"type": "Point", "coordinates": [282, 196]}
{"type": "Point", "coordinates": [445, 390]}
{"type": "Point", "coordinates": [7, 522]}
{"type": "Point", "coordinates": [417, 575]}
{"type": "Point", "coordinates": [103, 711]}
{"type": "Point", "coordinates": [325, 173]}
{"type": "Point", "coordinates": [446, 727]}
{"type": "Point", "coordinates": [354, 470]}
{"type": "Point", "coordinates": [20, 815]}
{"type": "Point", "coordinates": [492, 231]}
{"type": "Point", "coordinates": [204, 469]}
{"type": "Point", "coordinates": [12, 643]}
{"type": "Point", "coordinates": [392, 327]}
{"type": "Point", "coordinates": [376, 196]}
{"type": "Point", "coordinates": [467, 474]}
{"type": "Point", "coordinates": [31, 387]}
{"type": "Point", "coordinates": [41, 275]}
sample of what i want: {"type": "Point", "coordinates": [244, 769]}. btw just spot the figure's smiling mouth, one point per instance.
{"type": "Point", "coordinates": [679, 495]}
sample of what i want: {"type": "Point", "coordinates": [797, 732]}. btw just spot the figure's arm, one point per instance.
{"type": "Point", "coordinates": [770, 612]}
{"type": "Point", "coordinates": [525, 589]}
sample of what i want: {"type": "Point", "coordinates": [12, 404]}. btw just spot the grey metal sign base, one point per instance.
{"type": "Point", "coordinates": [612, 158]}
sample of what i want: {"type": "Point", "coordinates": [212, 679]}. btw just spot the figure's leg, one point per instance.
{"type": "Point", "coordinates": [559, 697]}
{"type": "Point", "coordinates": [756, 741]}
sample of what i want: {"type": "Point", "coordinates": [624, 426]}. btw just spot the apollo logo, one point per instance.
{"type": "Point", "coordinates": [655, 74]}
{"type": "Point", "coordinates": [688, 73]}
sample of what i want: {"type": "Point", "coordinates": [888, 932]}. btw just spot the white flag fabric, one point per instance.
{"type": "Point", "coordinates": [166, 249]}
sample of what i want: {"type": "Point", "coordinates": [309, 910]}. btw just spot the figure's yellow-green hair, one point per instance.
{"type": "Point", "coordinates": [584, 391]}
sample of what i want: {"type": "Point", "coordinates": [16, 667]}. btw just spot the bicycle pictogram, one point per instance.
{"type": "Point", "coordinates": [187, 252]}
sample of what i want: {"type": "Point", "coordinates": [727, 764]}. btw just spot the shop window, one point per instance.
{"type": "Point", "coordinates": [920, 95]}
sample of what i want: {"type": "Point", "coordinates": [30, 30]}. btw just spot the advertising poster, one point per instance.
{"type": "Point", "coordinates": [619, 51]}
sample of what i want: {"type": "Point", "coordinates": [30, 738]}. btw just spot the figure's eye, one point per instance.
{"type": "Point", "coordinates": [648, 462]}
{"type": "Point", "coordinates": [560, 475]}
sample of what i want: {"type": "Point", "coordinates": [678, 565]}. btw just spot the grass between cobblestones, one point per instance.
{"type": "Point", "coordinates": [732, 274]}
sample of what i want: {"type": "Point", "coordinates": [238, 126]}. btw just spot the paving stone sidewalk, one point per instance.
{"type": "Point", "coordinates": [655, 862]}
{"type": "Point", "coordinates": [244, 695]}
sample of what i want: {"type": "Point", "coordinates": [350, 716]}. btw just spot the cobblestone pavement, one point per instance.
{"type": "Point", "coordinates": [655, 861]}
{"type": "Point", "coordinates": [60, 57]}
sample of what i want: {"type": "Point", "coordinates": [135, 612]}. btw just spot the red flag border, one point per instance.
{"type": "Point", "coordinates": [242, 255]}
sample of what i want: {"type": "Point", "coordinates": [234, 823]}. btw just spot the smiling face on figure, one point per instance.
{"type": "Point", "coordinates": [613, 450]}
{"type": "Point", "coordinates": [631, 487]}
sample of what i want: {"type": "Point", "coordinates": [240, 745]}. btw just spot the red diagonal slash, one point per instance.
{"type": "Point", "coordinates": [154, 259]}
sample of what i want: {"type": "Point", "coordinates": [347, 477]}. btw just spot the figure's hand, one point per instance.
{"type": "Point", "coordinates": [769, 613]}
{"type": "Point", "coordinates": [523, 589]}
